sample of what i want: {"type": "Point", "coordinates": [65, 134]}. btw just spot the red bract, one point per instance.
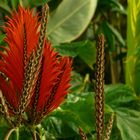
{"type": "Point", "coordinates": [25, 71]}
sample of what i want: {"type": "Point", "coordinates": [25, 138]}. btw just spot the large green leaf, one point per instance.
{"type": "Point", "coordinates": [70, 20]}
{"type": "Point", "coordinates": [76, 111]}
{"type": "Point", "coordinates": [77, 83]}
{"type": "Point", "coordinates": [86, 50]}
{"type": "Point", "coordinates": [69, 49]}
{"type": "Point", "coordinates": [128, 122]}
{"type": "Point", "coordinates": [126, 106]}
{"type": "Point", "coordinates": [133, 42]}
{"type": "Point", "coordinates": [118, 95]}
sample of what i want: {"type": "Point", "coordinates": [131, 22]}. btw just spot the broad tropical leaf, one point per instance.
{"type": "Point", "coordinates": [67, 26]}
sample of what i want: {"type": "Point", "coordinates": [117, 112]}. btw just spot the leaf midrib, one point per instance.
{"type": "Point", "coordinates": [60, 23]}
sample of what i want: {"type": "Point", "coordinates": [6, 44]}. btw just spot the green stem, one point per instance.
{"type": "Point", "coordinates": [9, 133]}
{"type": "Point", "coordinates": [34, 135]}
{"type": "Point", "coordinates": [17, 134]}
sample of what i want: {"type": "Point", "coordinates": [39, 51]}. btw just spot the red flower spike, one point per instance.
{"type": "Point", "coordinates": [49, 74]}
{"type": "Point", "coordinates": [12, 63]}
{"type": "Point", "coordinates": [53, 85]}
{"type": "Point", "coordinates": [23, 20]}
{"type": "Point", "coordinates": [10, 95]}
{"type": "Point", "coordinates": [52, 78]}
{"type": "Point", "coordinates": [63, 85]}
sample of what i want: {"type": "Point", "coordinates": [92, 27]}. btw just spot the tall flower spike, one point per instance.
{"type": "Point", "coordinates": [33, 67]}
{"type": "Point", "coordinates": [99, 88]}
{"type": "Point", "coordinates": [109, 127]}
{"type": "Point", "coordinates": [45, 10]}
{"type": "Point", "coordinates": [52, 87]}
{"type": "Point", "coordinates": [40, 81]}
{"type": "Point", "coordinates": [21, 38]}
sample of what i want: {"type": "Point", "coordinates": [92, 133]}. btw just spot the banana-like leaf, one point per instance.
{"type": "Point", "coordinates": [70, 20]}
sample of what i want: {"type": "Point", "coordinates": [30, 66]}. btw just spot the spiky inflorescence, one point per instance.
{"type": "Point", "coordinates": [48, 97]}
{"type": "Point", "coordinates": [32, 69]}
{"type": "Point", "coordinates": [99, 88]}
{"type": "Point", "coordinates": [45, 10]}
{"type": "Point", "coordinates": [40, 81]}
{"type": "Point", "coordinates": [21, 38]}
{"type": "Point", "coordinates": [82, 134]}
{"type": "Point", "coordinates": [109, 127]}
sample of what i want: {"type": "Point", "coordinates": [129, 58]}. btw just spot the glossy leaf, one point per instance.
{"type": "Point", "coordinates": [70, 20]}
{"type": "Point", "coordinates": [86, 50]}
{"type": "Point", "coordinates": [128, 123]}
{"type": "Point", "coordinates": [69, 49]}
{"type": "Point", "coordinates": [125, 105]}
{"type": "Point", "coordinates": [64, 122]}
{"type": "Point", "coordinates": [118, 95]}
{"type": "Point", "coordinates": [73, 113]}
{"type": "Point", "coordinates": [77, 83]}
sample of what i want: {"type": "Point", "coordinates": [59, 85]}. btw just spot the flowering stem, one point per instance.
{"type": "Point", "coordinates": [17, 133]}
{"type": "Point", "coordinates": [34, 135]}
{"type": "Point", "coordinates": [99, 88]}
{"type": "Point", "coordinates": [32, 68]}
{"type": "Point", "coordinates": [109, 127]}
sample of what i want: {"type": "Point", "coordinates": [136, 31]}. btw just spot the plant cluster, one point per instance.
{"type": "Point", "coordinates": [70, 71]}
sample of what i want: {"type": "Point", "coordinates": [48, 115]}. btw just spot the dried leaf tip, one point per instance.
{"type": "Point", "coordinates": [99, 87]}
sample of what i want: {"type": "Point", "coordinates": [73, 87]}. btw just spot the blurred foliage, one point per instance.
{"type": "Point", "coordinates": [73, 27]}
{"type": "Point", "coordinates": [133, 37]}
